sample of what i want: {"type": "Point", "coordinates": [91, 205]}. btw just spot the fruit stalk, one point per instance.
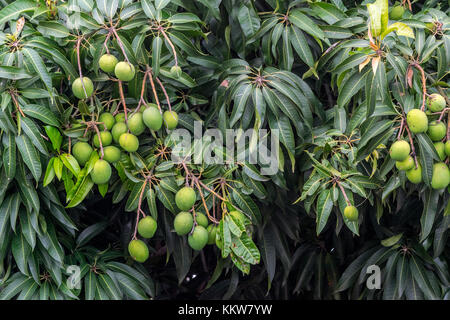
{"type": "Point", "coordinates": [99, 140]}
{"type": "Point", "coordinates": [106, 40]}
{"type": "Point", "coordinates": [13, 97]}
{"type": "Point", "coordinates": [170, 44]}
{"type": "Point", "coordinates": [119, 42]}
{"type": "Point", "coordinates": [343, 193]}
{"type": "Point", "coordinates": [165, 93]}
{"type": "Point", "coordinates": [79, 64]}
{"type": "Point", "coordinates": [197, 184]}
{"type": "Point", "coordinates": [424, 84]}
{"type": "Point", "coordinates": [141, 99]}
{"type": "Point", "coordinates": [153, 88]}
{"type": "Point", "coordinates": [139, 210]}
{"type": "Point", "coordinates": [122, 98]}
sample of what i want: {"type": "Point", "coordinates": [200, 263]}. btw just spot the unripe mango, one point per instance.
{"type": "Point", "coordinates": [183, 223]}
{"type": "Point", "coordinates": [201, 219]}
{"type": "Point", "coordinates": [101, 173]}
{"type": "Point", "coordinates": [124, 71]}
{"type": "Point", "coordinates": [435, 102]}
{"type": "Point", "coordinates": [397, 12]}
{"type": "Point", "coordinates": [107, 62]}
{"type": "Point", "coordinates": [441, 176]}
{"type": "Point", "coordinates": [147, 227]}
{"type": "Point", "coordinates": [117, 130]}
{"type": "Point", "coordinates": [120, 117]}
{"type": "Point", "coordinates": [105, 137]}
{"type": "Point", "coordinates": [440, 149]}
{"type": "Point", "coordinates": [77, 88]}
{"type": "Point", "coordinates": [351, 213]}
{"type": "Point", "coordinates": [400, 150]}
{"type": "Point", "coordinates": [198, 239]}
{"type": "Point", "coordinates": [414, 175]}
{"type": "Point", "coordinates": [108, 121]}
{"type": "Point", "coordinates": [436, 130]}
{"type": "Point", "coordinates": [417, 121]}
{"type": "Point", "coordinates": [185, 198]}
{"type": "Point", "coordinates": [238, 216]}
{"type": "Point", "coordinates": [111, 154]}
{"type": "Point", "coordinates": [406, 164]}
{"type": "Point", "coordinates": [212, 231]}
{"type": "Point", "coordinates": [152, 118]}
{"type": "Point", "coordinates": [138, 250]}
{"type": "Point", "coordinates": [129, 142]}
{"type": "Point", "coordinates": [170, 119]}
{"type": "Point", "coordinates": [82, 152]}
{"type": "Point", "coordinates": [136, 124]}
{"type": "Point", "coordinates": [447, 148]}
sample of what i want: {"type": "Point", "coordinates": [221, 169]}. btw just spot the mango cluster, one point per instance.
{"type": "Point", "coordinates": [117, 133]}
{"type": "Point", "coordinates": [420, 122]}
{"type": "Point", "coordinates": [200, 231]}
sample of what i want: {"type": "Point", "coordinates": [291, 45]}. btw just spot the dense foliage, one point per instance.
{"type": "Point", "coordinates": [91, 91]}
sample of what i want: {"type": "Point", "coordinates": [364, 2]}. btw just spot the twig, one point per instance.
{"type": "Point", "coordinates": [343, 193]}
{"type": "Point", "coordinates": [165, 93]}
{"type": "Point", "coordinates": [79, 64]}
{"type": "Point", "coordinates": [122, 97]}
{"type": "Point", "coordinates": [170, 44]}
{"type": "Point", "coordinates": [153, 88]}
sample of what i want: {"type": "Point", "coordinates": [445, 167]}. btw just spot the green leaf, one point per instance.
{"type": "Point", "coordinates": [245, 248]}
{"type": "Point", "coordinates": [324, 207]}
{"type": "Point", "coordinates": [109, 286]}
{"type": "Point", "coordinates": [351, 87]}
{"type": "Point", "coordinates": [14, 73]}
{"type": "Point", "coordinates": [53, 29]}
{"type": "Point", "coordinates": [38, 64]}
{"type": "Point", "coordinates": [389, 242]}
{"type": "Point", "coordinates": [400, 28]}
{"type": "Point", "coordinates": [108, 7]}
{"type": "Point", "coordinates": [81, 192]}
{"type": "Point", "coordinates": [90, 284]}
{"type": "Point", "coordinates": [41, 113]}
{"type": "Point", "coordinates": [156, 53]}
{"type": "Point", "coordinates": [300, 46]}
{"type": "Point", "coordinates": [248, 19]}
{"type": "Point", "coordinates": [304, 23]}
{"type": "Point", "coordinates": [161, 4]}
{"type": "Point", "coordinates": [29, 156]}
{"type": "Point", "coordinates": [20, 250]}
{"type": "Point", "coordinates": [429, 212]}
{"type": "Point", "coordinates": [13, 10]}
